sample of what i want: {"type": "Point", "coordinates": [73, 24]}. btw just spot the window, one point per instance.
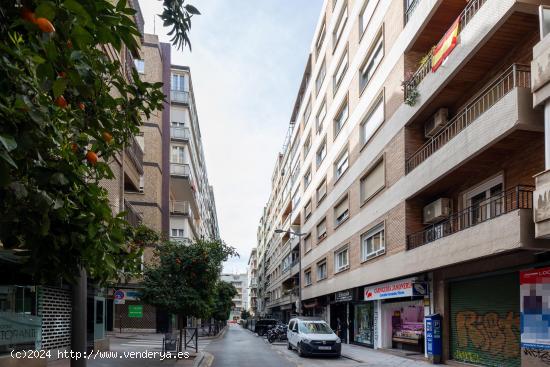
{"type": "Point", "coordinates": [307, 243]}
{"type": "Point", "coordinates": [307, 178]}
{"type": "Point", "coordinates": [373, 243]}
{"type": "Point", "coordinates": [307, 276]}
{"type": "Point", "coordinates": [321, 152]}
{"type": "Point", "coordinates": [307, 111]}
{"type": "Point", "coordinates": [307, 210]}
{"type": "Point", "coordinates": [341, 259]}
{"type": "Point", "coordinates": [365, 15]}
{"type": "Point", "coordinates": [307, 145]}
{"type": "Point", "coordinates": [322, 191]}
{"type": "Point", "coordinates": [321, 270]}
{"type": "Point", "coordinates": [322, 229]}
{"type": "Point", "coordinates": [178, 154]}
{"type": "Point", "coordinates": [178, 82]}
{"type": "Point", "coordinates": [177, 232]}
{"type": "Point", "coordinates": [372, 61]}
{"type": "Point", "coordinates": [373, 182]}
{"type": "Point", "coordinates": [341, 117]}
{"type": "Point", "coordinates": [340, 71]}
{"type": "Point", "coordinates": [140, 66]}
{"type": "Point", "coordinates": [341, 211]}
{"type": "Point", "coordinates": [320, 77]}
{"type": "Point", "coordinates": [341, 165]}
{"type": "Point", "coordinates": [320, 39]}
{"type": "Point", "coordinates": [321, 116]}
{"type": "Point", "coordinates": [373, 120]}
{"type": "Point", "coordinates": [339, 26]}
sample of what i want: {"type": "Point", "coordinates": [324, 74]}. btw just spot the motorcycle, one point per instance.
{"type": "Point", "coordinates": [277, 333]}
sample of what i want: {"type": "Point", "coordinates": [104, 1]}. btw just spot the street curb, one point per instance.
{"type": "Point", "coordinates": [203, 359]}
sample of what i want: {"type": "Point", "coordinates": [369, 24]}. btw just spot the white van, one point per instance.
{"type": "Point", "coordinates": [312, 336]}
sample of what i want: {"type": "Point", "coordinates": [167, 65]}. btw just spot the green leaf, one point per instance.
{"type": "Point", "coordinates": [59, 87]}
{"type": "Point", "coordinates": [8, 142]}
{"type": "Point", "coordinates": [192, 10]}
{"type": "Point", "coordinates": [81, 36]}
{"type": "Point", "coordinates": [19, 190]}
{"type": "Point", "coordinates": [59, 178]}
{"type": "Point", "coordinates": [78, 9]}
{"type": "Point", "coordinates": [5, 156]}
{"type": "Point", "coordinates": [46, 10]}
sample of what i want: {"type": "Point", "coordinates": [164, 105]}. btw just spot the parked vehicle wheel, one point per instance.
{"type": "Point", "coordinates": [271, 338]}
{"type": "Point", "coordinates": [300, 351]}
{"type": "Point", "coordinates": [261, 332]}
{"type": "Point", "coordinates": [288, 346]}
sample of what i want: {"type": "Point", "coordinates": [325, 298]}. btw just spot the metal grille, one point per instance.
{"type": "Point", "coordinates": [485, 321]}
{"type": "Point", "coordinates": [54, 306]}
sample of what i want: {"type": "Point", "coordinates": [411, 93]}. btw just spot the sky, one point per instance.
{"type": "Point", "coordinates": [247, 61]}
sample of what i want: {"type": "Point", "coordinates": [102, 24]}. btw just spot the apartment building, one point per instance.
{"type": "Point", "coordinates": [252, 283]}
{"type": "Point", "coordinates": [405, 184]}
{"type": "Point", "coordinates": [240, 301]}
{"type": "Point", "coordinates": [192, 206]}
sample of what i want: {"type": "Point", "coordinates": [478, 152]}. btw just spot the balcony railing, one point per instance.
{"type": "Point", "coordinates": [180, 169]}
{"type": "Point", "coordinates": [132, 216]}
{"type": "Point", "coordinates": [180, 239]}
{"type": "Point", "coordinates": [465, 16]}
{"type": "Point", "coordinates": [179, 96]}
{"type": "Point", "coordinates": [515, 76]}
{"type": "Point", "coordinates": [180, 133]}
{"type": "Point", "coordinates": [135, 153]}
{"type": "Point", "coordinates": [410, 10]}
{"type": "Point", "coordinates": [519, 197]}
{"type": "Point", "coordinates": [180, 207]}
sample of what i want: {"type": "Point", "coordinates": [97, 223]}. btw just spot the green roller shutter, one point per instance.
{"type": "Point", "coordinates": [485, 326]}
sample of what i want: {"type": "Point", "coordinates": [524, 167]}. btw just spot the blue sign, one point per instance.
{"type": "Point", "coordinates": [119, 294]}
{"type": "Point", "coordinates": [433, 335]}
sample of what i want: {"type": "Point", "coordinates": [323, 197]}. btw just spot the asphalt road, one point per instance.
{"type": "Point", "coordinates": [239, 347]}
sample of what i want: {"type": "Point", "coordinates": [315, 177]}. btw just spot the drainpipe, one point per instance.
{"type": "Point", "coordinates": [78, 319]}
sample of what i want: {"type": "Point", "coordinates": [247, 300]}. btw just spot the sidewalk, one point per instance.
{"type": "Point", "coordinates": [378, 357]}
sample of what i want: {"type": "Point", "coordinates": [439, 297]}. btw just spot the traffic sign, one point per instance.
{"type": "Point", "coordinates": [119, 294]}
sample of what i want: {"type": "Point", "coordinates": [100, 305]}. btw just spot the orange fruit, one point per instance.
{"type": "Point", "coordinates": [69, 44]}
{"type": "Point", "coordinates": [82, 106]}
{"type": "Point", "coordinates": [74, 147]}
{"type": "Point", "coordinates": [45, 25]}
{"type": "Point", "coordinates": [107, 137]}
{"type": "Point", "coordinates": [61, 74]}
{"type": "Point", "coordinates": [28, 15]}
{"type": "Point", "coordinates": [91, 157]}
{"type": "Point", "coordinates": [61, 102]}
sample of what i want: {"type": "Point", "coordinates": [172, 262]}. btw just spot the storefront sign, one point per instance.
{"type": "Point", "coordinates": [399, 288]}
{"type": "Point", "coordinates": [135, 311]}
{"type": "Point", "coordinates": [19, 329]}
{"type": "Point", "coordinates": [343, 296]}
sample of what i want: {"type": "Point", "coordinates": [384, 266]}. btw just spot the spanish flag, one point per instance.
{"type": "Point", "coordinates": [445, 46]}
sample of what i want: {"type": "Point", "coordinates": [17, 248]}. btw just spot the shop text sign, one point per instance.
{"type": "Point", "coordinates": [19, 329]}
{"type": "Point", "coordinates": [400, 288]}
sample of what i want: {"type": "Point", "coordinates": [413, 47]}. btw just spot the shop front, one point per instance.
{"type": "Point", "coordinates": [316, 307]}
{"type": "Point", "coordinates": [340, 313]}
{"type": "Point", "coordinates": [364, 317]}
{"type": "Point", "coordinates": [397, 312]}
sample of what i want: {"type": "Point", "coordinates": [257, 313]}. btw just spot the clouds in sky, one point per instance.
{"type": "Point", "coordinates": [246, 65]}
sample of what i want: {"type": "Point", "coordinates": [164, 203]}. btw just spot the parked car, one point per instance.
{"type": "Point", "coordinates": [312, 336]}
{"type": "Point", "coordinates": [263, 325]}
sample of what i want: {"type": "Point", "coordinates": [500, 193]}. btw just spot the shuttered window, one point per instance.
{"type": "Point", "coordinates": [322, 191]}
{"type": "Point", "coordinates": [341, 211]}
{"type": "Point", "coordinates": [373, 181]}
{"type": "Point", "coordinates": [322, 229]}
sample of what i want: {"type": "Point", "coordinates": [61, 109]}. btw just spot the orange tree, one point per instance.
{"type": "Point", "coordinates": [66, 110]}
{"type": "Point", "coordinates": [183, 279]}
{"type": "Point", "coordinates": [223, 301]}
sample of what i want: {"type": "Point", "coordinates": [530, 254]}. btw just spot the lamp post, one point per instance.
{"type": "Point", "coordinates": [299, 235]}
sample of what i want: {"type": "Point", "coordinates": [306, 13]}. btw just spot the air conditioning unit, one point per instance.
{"type": "Point", "coordinates": [437, 210]}
{"type": "Point", "coordinates": [436, 122]}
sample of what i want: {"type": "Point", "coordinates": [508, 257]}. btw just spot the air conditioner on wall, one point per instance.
{"type": "Point", "coordinates": [437, 210]}
{"type": "Point", "coordinates": [436, 122]}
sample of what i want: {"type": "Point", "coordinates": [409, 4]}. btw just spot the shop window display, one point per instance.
{"type": "Point", "coordinates": [364, 323]}
{"type": "Point", "coordinates": [408, 326]}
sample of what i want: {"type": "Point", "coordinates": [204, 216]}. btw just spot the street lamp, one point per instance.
{"type": "Point", "coordinates": [299, 235]}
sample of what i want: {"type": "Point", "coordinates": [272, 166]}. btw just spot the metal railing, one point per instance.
{"type": "Point", "coordinates": [516, 76]}
{"type": "Point", "coordinates": [519, 197]}
{"type": "Point", "coordinates": [180, 169]}
{"type": "Point", "coordinates": [179, 96]}
{"type": "Point", "coordinates": [132, 216]}
{"type": "Point", "coordinates": [135, 153]}
{"type": "Point", "coordinates": [410, 10]}
{"type": "Point", "coordinates": [465, 16]}
{"type": "Point", "coordinates": [180, 207]}
{"type": "Point", "coordinates": [182, 133]}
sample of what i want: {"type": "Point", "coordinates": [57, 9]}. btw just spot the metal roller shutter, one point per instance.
{"type": "Point", "coordinates": [485, 321]}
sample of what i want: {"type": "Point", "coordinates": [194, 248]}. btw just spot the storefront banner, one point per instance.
{"type": "Point", "coordinates": [399, 288]}
{"type": "Point", "coordinates": [343, 296]}
{"type": "Point", "coordinates": [19, 329]}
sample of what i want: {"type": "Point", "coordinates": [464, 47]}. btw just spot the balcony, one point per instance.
{"type": "Point", "coordinates": [132, 216]}
{"type": "Point", "coordinates": [183, 240]}
{"type": "Point", "coordinates": [519, 197]}
{"type": "Point", "coordinates": [424, 69]}
{"type": "Point", "coordinates": [180, 208]}
{"type": "Point", "coordinates": [180, 169]}
{"type": "Point", "coordinates": [179, 96]}
{"type": "Point", "coordinates": [180, 133]}
{"type": "Point", "coordinates": [133, 169]}
{"type": "Point", "coordinates": [515, 77]}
